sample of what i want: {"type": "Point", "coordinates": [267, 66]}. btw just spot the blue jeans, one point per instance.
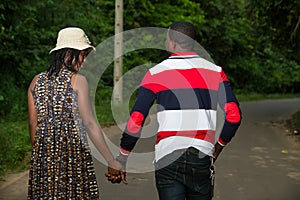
{"type": "Point", "coordinates": [188, 177]}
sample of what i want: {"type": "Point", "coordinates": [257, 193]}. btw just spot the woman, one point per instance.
{"type": "Point", "coordinates": [60, 114]}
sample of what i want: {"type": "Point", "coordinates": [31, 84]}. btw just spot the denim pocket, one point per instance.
{"type": "Point", "coordinates": [166, 175]}
{"type": "Point", "coordinates": [201, 180]}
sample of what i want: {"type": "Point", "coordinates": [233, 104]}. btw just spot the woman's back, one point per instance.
{"type": "Point", "coordinates": [60, 152]}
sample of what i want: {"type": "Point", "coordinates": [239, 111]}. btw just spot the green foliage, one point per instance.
{"type": "Point", "coordinates": [296, 120]}
{"type": "Point", "coordinates": [158, 13]}
{"type": "Point", "coordinates": [256, 42]}
{"type": "Point", "coordinates": [14, 146]}
{"type": "Point", "coordinates": [247, 44]}
{"type": "Point", "coordinates": [28, 33]}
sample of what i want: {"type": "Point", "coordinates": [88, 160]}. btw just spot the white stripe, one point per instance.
{"type": "Point", "coordinates": [170, 144]}
{"type": "Point", "coordinates": [190, 63]}
{"type": "Point", "coordinates": [181, 120]}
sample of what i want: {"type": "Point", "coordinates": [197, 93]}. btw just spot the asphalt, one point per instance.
{"type": "Point", "coordinates": [261, 163]}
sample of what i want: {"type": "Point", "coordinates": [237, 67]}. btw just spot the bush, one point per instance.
{"type": "Point", "coordinates": [14, 146]}
{"type": "Point", "coordinates": [296, 120]}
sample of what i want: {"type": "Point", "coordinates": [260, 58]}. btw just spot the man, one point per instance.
{"type": "Point", "coordinates": [187, 90]}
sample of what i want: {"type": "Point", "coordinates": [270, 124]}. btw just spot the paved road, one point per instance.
{"type": "Point", "coordinates": [261, 162]}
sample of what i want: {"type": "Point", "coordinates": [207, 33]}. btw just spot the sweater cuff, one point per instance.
{"type": "Point", "coordinates": [221, 142]}
{"type": "Point", "coordinates": [124, 151]}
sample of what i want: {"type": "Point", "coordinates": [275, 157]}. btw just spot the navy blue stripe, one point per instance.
{"type": "Point", "coordinates": [181, 99]}
{"type": "Point", "coordinates": [144, 101]}
{"type": "Point", "coordinates": [128, 141]}
{"type": "Point", "coordinates": [228, 131]}
{"type": "Point", "coordinates": [143, 104]}
{"type": "Point", "coordinates": [226, 94]}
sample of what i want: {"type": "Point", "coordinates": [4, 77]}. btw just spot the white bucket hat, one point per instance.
{"type": "Point", "coordinates": [74, 38]}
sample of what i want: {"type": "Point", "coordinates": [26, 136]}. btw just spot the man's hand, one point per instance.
{"type": "Point", "coordinates": [116, 172]}
{"type": "Point", "coordinates": [218, 149]}
{"type": "Point", "coordinates": [122, 159]}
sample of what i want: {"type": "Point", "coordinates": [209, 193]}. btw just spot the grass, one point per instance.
{"type": "Point", "coordinates": [103, 113]}
{"type": "Point", "coordinates": [256, 96]}
{"type": "Point", "coordinates": [296, 120]}
{"type": "Point", "coordinates": [15, 144]}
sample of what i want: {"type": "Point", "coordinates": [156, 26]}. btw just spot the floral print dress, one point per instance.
{"type": "Point", "coordinates": [61, 162]}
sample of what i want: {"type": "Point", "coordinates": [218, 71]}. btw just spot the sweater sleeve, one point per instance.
{"type": "Point", "coordinates": [229, 104]}
{"type": "Point", "coordinates": [137, 118]}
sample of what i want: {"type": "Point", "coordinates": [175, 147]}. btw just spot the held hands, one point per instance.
{"type": "Point", "coordinates": [116, 171]}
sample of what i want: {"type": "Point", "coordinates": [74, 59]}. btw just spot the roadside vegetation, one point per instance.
{"type": "Point", "coordinates": [296, 122]}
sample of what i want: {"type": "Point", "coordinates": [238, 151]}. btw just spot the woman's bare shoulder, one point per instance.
{"type": "Point", "coordinates": [34, 80]}
{"type": "Point", "coordinates": [79, 81]}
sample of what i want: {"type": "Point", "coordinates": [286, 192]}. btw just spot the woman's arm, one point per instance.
{"type": "Point", "coordinates": [88, 117]}
{"type": "Point", "coordinates": [94, 131]}
{"type": "Point", "coordinates": [32, 114]}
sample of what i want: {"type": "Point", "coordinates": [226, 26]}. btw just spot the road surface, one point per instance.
{"type": "Point", "coordinates": [261, 163]}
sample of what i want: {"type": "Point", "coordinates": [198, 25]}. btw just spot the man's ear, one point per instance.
{"type": "Point", "coordinates": [174, 45]}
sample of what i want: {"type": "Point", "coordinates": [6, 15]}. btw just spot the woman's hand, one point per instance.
{"type": "Point", "coordinates": [116, 172]}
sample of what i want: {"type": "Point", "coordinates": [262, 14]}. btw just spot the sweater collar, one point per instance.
{"type": "Point", "coordinates": [184, 54]}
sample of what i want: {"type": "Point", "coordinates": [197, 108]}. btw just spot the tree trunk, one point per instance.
{"type": "Point", "coordinates": [118, 51]}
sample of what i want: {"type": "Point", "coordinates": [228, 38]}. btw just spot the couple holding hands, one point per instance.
{"type": "Point", "coordinates": [188, 90]}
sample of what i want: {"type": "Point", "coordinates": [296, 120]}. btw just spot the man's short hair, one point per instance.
{"type": "Point", "coordinates": [183, 33]}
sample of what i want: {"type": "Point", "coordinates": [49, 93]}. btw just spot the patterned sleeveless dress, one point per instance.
{"type": "Point", "coordinates": [61, 163]}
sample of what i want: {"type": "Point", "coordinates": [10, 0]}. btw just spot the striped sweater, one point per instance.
{"type": "Point", "coordinates": [187, 90]}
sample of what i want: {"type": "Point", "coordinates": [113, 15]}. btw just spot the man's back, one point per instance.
{"type": "Point", "coordinates": [186, 90]}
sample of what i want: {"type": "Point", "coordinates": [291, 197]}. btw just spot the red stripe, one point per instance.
{"type": "Point", "coordinates": [182, 79]}
{"type": "Point", "coordinates": [207, 135]}
{"type": "Point", "coordinates": [184, 54]}
{"type": "Point", "coordinates": [224, 77]}
{"type": "Point", "coordinates": [124, 151]}
{"type": "Point", "coordinates": [232, 112]}
{"type": "Point", "coordinates": [221, 142]}
{"type": "Point", "coordinates": [135, 122]}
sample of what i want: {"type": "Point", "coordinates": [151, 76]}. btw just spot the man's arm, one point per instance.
{"type": "Point", "coordinates": [136, 120]}
{"type": "Point", "coordinates": [229, 104]}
